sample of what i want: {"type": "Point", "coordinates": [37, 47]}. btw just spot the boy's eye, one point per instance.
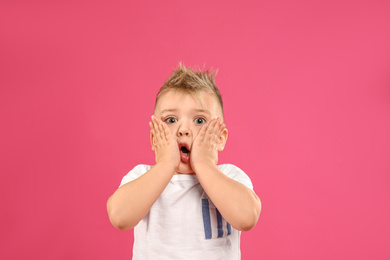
{"type": "Point", "coordinates": [200, 121]}
{"type": "Point", "coordinates": [170, 120]}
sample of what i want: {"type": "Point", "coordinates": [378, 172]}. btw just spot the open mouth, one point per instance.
{"type": "Point", "coordinates": [184, 152]}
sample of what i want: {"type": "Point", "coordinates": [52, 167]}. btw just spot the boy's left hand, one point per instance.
{"type": "Point", "coordinates": [206, 144]}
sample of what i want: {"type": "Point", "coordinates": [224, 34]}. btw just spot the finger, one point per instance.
{"type": "Point", "coordinates": [221, 136]}
{"type": "Point", "coordinates": [218, 129]}
{"type": "Point", "coordinates": [151, 126]}
{"type": "Point", "coordinates": [166, 131]}
{"type": "Point", "coordinates": [154, 126]}
{"type": "Point", "coordinates": [213, 123]}
{"type": "Point", "coordinates": [217, 133]}
{"type": "Point", "coordinates": [221, 128]}
{"type": "Point", "coordinates": [217, 125]}
{"type": "Point", "coordinates": [210, 126]}
{"type": "Point", "coordinates": [154, 123]}
{"type": "Point", "coordinates": [152, 136]}
{"type": "Point", "coordinates": [157, 132]}
{"type": "Point", "coordinates": [161, 129]}
{"type": "Point", "coordinates": [202, 133]}
{"type": "Point", "coordinates": [211, 130]}
{"type": "Point", "coordinates": [161, 126]}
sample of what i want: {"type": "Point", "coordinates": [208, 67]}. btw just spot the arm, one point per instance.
{"type": "Point", "coordinates": [239, 205]}
{"type": "Point", "coordinates": [131, 202]}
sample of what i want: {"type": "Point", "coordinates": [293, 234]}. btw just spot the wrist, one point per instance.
{"type": "Point", "coordinates": [166, 167]}
{"type": "Point", "coordinates": [203, 167]}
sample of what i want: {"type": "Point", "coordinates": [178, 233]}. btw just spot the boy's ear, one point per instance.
{"type": "Point", "coordinates": [222, 140]}
{"type": "Point", "coordinates": [151, 140]}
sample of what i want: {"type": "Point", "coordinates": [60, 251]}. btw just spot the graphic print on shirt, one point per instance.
{"type": "Point", "coordinates": [215, 226]}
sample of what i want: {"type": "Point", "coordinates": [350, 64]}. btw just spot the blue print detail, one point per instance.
{"type": "Point", "coordinates": [206, 218]}
{"type": "Point", "coordinates": [219, 224]}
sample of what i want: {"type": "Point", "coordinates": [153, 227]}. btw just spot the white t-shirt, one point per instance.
{"type": "Point", "coordinates": [184, 223]}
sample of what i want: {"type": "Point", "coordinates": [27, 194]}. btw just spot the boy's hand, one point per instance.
{"type": "Point", "coordinates": [163, 143]}
{"type": "Point", "coordinates": [205, 146]}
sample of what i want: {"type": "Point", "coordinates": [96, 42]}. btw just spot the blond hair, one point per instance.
{"type": "Point", "coordinates": [192, 81]}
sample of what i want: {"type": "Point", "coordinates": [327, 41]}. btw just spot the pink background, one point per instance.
{"type": "Point", "coordinates": [306, 88]}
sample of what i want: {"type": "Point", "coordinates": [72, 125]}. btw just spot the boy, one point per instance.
{"type": "Point", "coordinates": [185, 206]}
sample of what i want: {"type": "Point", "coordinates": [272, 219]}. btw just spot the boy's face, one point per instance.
{"type": "Point", "coordinates": [185, 115]}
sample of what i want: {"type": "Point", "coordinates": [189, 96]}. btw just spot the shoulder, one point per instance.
{"type": "Point", "coordinates": [140, 169]}
{"type": "Point", "coordinates": [230, 170]}
{"type": "Point", "coordinates": [136, 172]}
{"type": "Point", "coordinates": [236, 174]}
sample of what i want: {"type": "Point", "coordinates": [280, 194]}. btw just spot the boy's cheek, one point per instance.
{"type": "Point", "coordinates": [171, 127]}
{"type": "Point", "coordinates": [196, 132]}
{"type": "Point", "coordinates": [198, 128]}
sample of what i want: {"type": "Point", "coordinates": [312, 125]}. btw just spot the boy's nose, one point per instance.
{"type": "Point", "coordinates": [183, 130]}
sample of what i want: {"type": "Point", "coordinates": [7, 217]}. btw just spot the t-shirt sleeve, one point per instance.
{"type": "Point", "coordinates": [236, 174]}
{"type": "Point", "coordinates": [136, 172]}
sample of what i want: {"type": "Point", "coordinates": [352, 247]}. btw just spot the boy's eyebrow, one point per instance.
{"type": "Point", "coordinates": [202, 111]}
{"type": "Point", "coordinates": [196, 110]}
{"type": "Point", "coordinates": [168, 110]}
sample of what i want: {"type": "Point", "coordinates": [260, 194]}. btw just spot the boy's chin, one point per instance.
{"type": "Point", "coordinates": [184, 168]}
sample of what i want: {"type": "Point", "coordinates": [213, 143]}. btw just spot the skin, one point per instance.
{"type": "Point", "coordinates": [181, 118]}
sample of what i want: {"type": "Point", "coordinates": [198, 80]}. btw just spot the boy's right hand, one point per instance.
{"type": "Point", "coordinates": [163, 143]}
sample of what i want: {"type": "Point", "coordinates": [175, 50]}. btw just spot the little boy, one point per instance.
{"type": "Point", "coordinates": [186, 206]}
